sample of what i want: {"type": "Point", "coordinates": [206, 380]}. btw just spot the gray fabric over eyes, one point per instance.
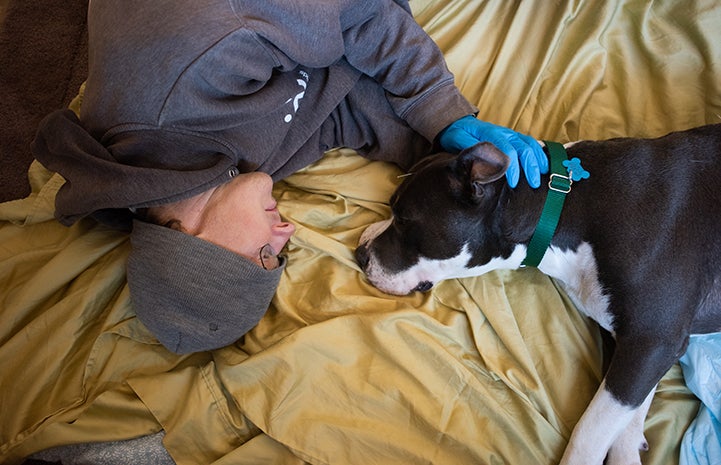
{"type": "Point", "coordinates": [194, 295]}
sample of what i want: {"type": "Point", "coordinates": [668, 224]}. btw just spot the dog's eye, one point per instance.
{"type": "Point", "coordinates": [400, 214]}
{"type": "Point", "coordinates": [398, 220]}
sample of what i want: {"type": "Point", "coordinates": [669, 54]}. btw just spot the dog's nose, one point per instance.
{"type": "Point", "coordinates": [361, 256]}
{"type": "Point", "coordinates": [424, 286]}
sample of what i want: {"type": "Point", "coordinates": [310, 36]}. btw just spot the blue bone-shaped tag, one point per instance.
{"type": "Point", "coordinates": [575, 169]}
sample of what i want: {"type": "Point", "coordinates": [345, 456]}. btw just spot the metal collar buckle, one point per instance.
{"type": "Point", "coordinates": [560, 183]}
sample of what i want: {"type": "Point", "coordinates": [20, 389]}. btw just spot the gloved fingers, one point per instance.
{"type": "Point", "coordinates": [456, 139]}
{"type": "Point", "coordinates": [529, 161]}
{"type": "Point", "coordinates": [530, 165]}
{"type": "Point", "coordinates": [538, 153]}
{"type": "Point", "coordinates": [531, 158]}
{"type": "Point", "coordinates": [513, 171]}
{"type": "Point", "coordinates": [530, 168]}
{"type": "Point", "coordinates": [468, 131]}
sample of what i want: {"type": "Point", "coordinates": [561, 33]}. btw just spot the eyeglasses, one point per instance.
{"type": "Point", "coordinates": [269, 260]}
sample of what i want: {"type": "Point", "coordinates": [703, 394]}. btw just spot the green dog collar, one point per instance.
{"type": "Point", "coordinates": [563, 173]}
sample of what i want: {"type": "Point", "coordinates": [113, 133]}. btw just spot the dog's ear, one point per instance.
{"type": "Point", "coordinates": [484, 164]}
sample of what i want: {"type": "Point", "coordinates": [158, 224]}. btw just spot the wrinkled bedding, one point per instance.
{"type": "Point", "coordinates": [489, 370]}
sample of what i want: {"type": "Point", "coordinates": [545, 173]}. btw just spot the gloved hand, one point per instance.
{"type": "Point", "coordinates": [468, 131]}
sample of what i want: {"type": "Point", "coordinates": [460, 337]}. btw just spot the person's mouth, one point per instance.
{"type": "Point", "coordinates": [273, 210]}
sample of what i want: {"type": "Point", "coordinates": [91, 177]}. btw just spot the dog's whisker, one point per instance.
{"type": "Point", "coordinates": [403, 175]}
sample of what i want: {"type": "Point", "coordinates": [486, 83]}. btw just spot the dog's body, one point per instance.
{"type": "Point", "coordinates": [637, 248]}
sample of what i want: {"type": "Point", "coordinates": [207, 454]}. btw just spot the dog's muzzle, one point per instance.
{"type": "Point", "coordinates": [362, 256]}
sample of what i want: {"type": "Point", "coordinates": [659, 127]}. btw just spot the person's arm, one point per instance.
{"type": "Point", "coordinates": [388, 44]}
{"type": "Point", "coordinates": [382, 40]}
{"type": "Point", "coordinates": [377, 37]}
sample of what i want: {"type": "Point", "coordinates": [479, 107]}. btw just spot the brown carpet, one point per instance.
{"type": "Point", "coordinates": [43, 62]}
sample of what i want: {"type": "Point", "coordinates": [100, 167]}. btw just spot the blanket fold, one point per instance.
{"type": "Point", "coordinates": [494, 369]}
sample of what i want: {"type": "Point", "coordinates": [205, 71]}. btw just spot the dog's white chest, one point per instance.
{"type": "Point", "coordinates": [578, 275]}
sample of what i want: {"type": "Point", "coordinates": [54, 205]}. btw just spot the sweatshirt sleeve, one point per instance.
{"type": "Point", "coordinates": [377, 37]}
{"type": "Point", "coordinates": [387, 44]}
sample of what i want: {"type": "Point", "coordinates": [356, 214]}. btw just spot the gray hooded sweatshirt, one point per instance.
{"type": "Point", "coordinates": [181, 94]}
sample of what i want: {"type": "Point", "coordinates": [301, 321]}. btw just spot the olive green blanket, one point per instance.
{"type": "Point", "coordinates": [489, 370]}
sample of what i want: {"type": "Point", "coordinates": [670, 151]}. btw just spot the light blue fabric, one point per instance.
{"type": "Point", "coordinates": [701, 365]}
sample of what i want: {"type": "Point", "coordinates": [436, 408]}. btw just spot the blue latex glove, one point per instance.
{"type": "Point", "coordinates": [468, 131]}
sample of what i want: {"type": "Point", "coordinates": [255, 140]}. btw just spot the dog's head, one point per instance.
{"type": "Point", "coordinates": [443, 223]}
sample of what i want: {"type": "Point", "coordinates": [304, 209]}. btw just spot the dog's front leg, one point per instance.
{"type": "Point", "coordinates": [625, 450]}
{"type": "Point", "coordinates": [602, 422]}
{"type": "Point", "coordinates": [621, 403]}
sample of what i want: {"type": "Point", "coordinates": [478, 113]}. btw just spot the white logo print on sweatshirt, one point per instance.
{"type": "Point", "coordinates": [303, 83]}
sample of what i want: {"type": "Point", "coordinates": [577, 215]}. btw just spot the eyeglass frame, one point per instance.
{"type": "Point", "coordinates": [269, 259]}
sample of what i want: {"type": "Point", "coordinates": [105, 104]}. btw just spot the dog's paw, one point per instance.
{"type": "Point", "coordinates": [625, 450]}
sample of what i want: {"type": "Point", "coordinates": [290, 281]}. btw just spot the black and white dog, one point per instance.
{"type": "Point", "coordinates": [637, 248]}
